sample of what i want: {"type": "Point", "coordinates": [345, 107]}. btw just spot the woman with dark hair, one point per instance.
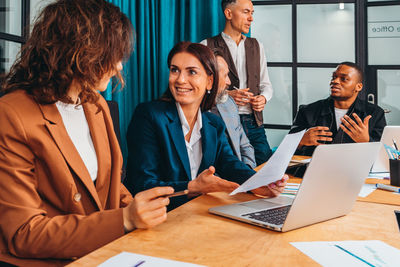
{"type": "Point", "coordinates": [61, 195]}
{"type": "Point", "coordinates": [175, 142]}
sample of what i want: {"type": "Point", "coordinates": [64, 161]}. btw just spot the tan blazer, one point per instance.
{"type": "Point", "coordinates": [49, 205]}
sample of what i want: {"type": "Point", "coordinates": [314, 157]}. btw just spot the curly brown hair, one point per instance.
{"type": "Point", "coordinates": [78, 40]}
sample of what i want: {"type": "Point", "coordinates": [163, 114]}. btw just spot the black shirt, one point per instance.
{"type": "Point", "coordinates": [321, 113]}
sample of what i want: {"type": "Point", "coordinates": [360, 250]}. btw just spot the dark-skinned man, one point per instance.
{"type": "Point", "coordinates": [342, 117]}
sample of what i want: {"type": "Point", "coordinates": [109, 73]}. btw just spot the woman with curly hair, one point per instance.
{"type": "Point", "coordinates": [61, 195]}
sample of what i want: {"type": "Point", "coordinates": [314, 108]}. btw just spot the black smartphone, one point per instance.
{"type": "Point", "coordinates": [176, 194]}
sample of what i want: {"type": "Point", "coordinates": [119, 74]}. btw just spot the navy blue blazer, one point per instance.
{"type": "Point", "coordinates": [158, 156]}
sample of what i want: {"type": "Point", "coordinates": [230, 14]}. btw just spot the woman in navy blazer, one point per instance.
{"type": "Point", "coordinates": [161, 151]}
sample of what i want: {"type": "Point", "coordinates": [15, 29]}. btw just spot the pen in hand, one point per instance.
{"type": "Point", "coordinates": [176, 194]}
{"type": "Point", "coordinates": [243, 98]}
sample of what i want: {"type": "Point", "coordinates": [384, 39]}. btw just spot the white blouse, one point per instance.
{"type": "Point", "coordinates": [75, 122]}
{"type": "Point", "coordinates": [193, 147]}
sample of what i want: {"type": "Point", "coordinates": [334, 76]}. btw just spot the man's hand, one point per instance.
{"type": "Point", "coordinates": [147, 209]}
{"type": "Point", "coordinates": [258, 102]}
{"type": "Point", "coordinates": [313, 135]}
{"type": "Point", "coordinates": [273, 189]}
{"type": "Point", "coordinates": [356, 129]}
{"type": "Point", "coordinates": [207, 182]}
{"type": "Point", "coordinates": [241, 96]}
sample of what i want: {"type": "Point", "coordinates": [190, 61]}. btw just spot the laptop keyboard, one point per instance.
{"type": "Point", "coordinates": [275, 216]}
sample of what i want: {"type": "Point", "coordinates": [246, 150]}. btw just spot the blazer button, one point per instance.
{"type": "Point", "coordinates": [77, 197]}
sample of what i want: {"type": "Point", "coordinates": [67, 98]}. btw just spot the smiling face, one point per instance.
{"type": "Point", "coordinates": [345, 83]}
{"type": "Point", "coordinates": [188, 80]}
{"type": "Point", "coordinates": [240, 15]}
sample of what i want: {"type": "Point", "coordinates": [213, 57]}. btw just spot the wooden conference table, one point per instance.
{"type": "Point", "coordinates": [191, 234]}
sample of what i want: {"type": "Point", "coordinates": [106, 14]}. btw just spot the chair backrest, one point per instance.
{"type": "Point", "coordinates": [113, 106]}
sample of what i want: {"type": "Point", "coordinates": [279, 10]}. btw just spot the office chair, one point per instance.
{"type": "Point", "coordinates": [113, 106]}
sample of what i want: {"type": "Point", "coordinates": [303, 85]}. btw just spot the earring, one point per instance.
{"type": "Point", "coordinates": [208, 91]}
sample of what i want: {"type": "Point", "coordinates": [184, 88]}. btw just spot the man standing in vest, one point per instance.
{"type": "Point", "coordinates": [250, 85]}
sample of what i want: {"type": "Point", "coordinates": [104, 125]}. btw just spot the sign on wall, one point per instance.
{"type": "Point", "coordinates": [384, 29]}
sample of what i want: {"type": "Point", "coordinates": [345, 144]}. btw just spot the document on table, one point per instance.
{"type": "Point", "coordinates": [367, 189]}
{"type": "Point", "coordinates": [297, 162]}
{"type": "Point", "coordinates": [351, 253]}
{"type": "Point", "coordinates": [127, 259]}
{"type": "Point", "coordinates": [274, 169]}
{"type": "Point", "coordinates": [379, 175]}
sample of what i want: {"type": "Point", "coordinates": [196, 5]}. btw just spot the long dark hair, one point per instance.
{"type": "Point", "coordinates": [209, 63]}
{"type": "Point", "coordinates": [77, 40]}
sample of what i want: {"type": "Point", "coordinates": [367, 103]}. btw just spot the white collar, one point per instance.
{"type": "Point", "coordinates": [185, 125]}
{"type": "Point", "coordinates": [229, 38]}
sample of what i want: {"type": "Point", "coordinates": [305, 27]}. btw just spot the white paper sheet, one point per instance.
{"type": "Point", "coordinates": [367, 189]}
{"type": "Point", "coordinates": [127, 259]}
{"type": "Point", "coordinates": [274, 169]}
{"type": "Point", "coordinates": [351, 253]}
{"type": "Point", "coordinates": [379, 175]}
{"type": "Point", "coordinates": [305, 161]}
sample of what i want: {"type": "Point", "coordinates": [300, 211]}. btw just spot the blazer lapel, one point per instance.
{"type": "Point", "coordinates": [208, 140]}
{"type": "Point", "coordinates": [98, 132]}
{"type": "Point", "coordinates": [57, 130]}
{"type": "Point", "coordinates": [176, 134]}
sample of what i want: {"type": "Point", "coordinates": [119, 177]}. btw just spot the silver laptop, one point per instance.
{"type": "Point", "coordinates": [329, 189]}
{"type": "Point", "coordinates": [382, 161]}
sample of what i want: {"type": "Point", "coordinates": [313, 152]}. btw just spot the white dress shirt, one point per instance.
{"type": "Point", "coordinates": [75, 123]}
{"type": "Point", "coordinates": [238, 54]}
{"type": "Point", "coordinates": [193, 147]}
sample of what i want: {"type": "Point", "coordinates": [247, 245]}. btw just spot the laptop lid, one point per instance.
{"type": "Point", "coordinates": [331, 183]}
{"type": "Point", "coordinates": [382, 161]}
{"type": "Point", "coordinates": [329, 189]}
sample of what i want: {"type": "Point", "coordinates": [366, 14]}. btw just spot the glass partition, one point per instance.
{"type": "Point", "coordinates": [313, 84]}
{"type": "Point", "coordinates": [275, 136]}
{"type": "Point", "coordinates": [274, 30]}
{"type": "Point", "coordinates": [325, 33]}
{"type": "Point", "coordinates": [10, 16]}
{"type": "Point", "coordinates": [8, 54]}
{"type": "Point", "coordinates": [383, 35]}
{"type": "Point", "coordinates": [389, 94]}
{"type": "Point", "coordinates": [279, 109]}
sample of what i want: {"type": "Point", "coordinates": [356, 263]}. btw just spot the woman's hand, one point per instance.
{"type": "Point", "coordinates": [147, 209]}
{"type": "Point", "coordinates": [273, 189]}
{"type": "Point", "coordinates": [207, 182]}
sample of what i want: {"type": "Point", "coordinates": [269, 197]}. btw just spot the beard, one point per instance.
{"type": "Point", "coordinates": [222, 97]}
{"type": "Point", "coordinates": [340, 98]}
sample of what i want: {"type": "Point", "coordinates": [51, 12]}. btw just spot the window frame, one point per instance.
{"type": "Point", "coordinates": [360, 33]}
{"type": "Point", "coordinates": [21, 39]}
